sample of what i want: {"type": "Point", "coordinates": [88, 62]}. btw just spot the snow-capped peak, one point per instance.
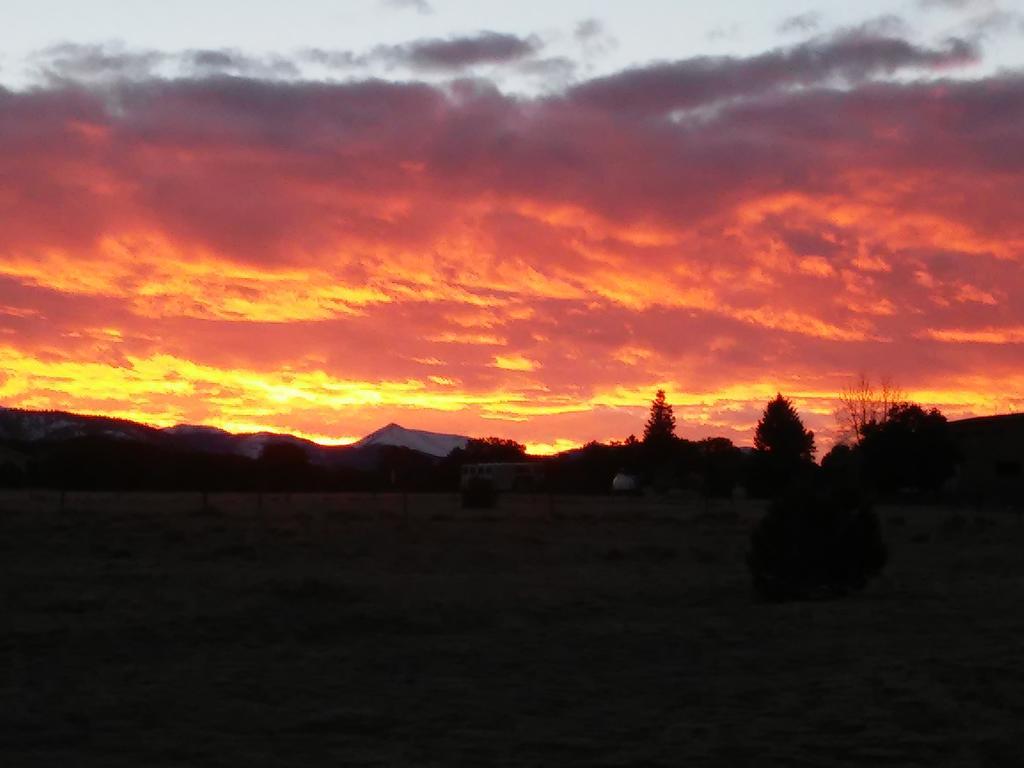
{"type": "Point", "coordinates": [432, 443]}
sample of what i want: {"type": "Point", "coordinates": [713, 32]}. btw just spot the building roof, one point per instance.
{"type": "Point", "coordinates": [1008, 421]}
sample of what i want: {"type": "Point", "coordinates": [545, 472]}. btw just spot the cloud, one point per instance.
{"type": "Point", "coordinates": [334, 59]}
{"type": "Point", "coordinates": [553, 73]}
{"type": "Point", "coordinates": [588, 30]}
{"type": "Point", "coordinates": [851, 56]}
{"type": "Point", "coordinates": [97, 62]}
{"type": "Point", "coordinates": [801, 23]}
{"type": "Point", "coordinates": [993, 24]}
{"type": "Point", "coordinates": [228, 61]}
{"type": "Point", "coordinates": [459, 52]}
{"type": "Point", "coordinates": [594, 38]}
{"type": "Point", "coordinates": [326, 257]}
{"type": "Point", "coordinates": [108, 63]}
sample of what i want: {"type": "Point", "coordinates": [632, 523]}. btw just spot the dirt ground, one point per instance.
{"type": "Point", "coordinates": [360, 630]}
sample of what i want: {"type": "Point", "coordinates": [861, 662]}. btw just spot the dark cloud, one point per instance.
{"type": "Point", "coordinates": [229, 61]}
{"type": "Point", "coordinates": [108, 63]}
{"type": "Point", "coordinates": [96, 62]}
{"type": "Point", "coordinates": [851, 57]}
{"type": "Point", "coordinates": [457, 53]}
{"type": "Point", "coordinates": [470, 139]}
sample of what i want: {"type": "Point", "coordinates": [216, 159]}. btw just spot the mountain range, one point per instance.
{"type": "Point", "coordinates": [24, 426]}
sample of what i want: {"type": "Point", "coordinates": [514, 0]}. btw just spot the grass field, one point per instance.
{"type": "Point", "coordinates": [357, 630]}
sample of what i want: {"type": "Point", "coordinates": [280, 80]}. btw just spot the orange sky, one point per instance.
{"type": "Point", "coordinates": [326, 258]}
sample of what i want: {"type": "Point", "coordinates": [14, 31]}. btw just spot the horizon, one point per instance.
{"type": "Point", "coordinates": [523, 224]}
{"type": "Point", "coordinates": [538, 451]}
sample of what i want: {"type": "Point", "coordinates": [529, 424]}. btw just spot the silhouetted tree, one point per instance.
{"type": "Point", "coordinates": [660, 429]}
{"type": "Point", "coordinates": [781, 432]}
{"type": "Point", "coordinates": [910, 449]}
{"type": "Point", "coordinates": [494, 449]}
{"type": "Point", "coordinates": [784, 449]}
{"type": "Point", "coordinates": [841, 468]}
{"type": "Point", "coordinates": [659, 444]}
{"type": "Point", "coordinates": [862, 405]}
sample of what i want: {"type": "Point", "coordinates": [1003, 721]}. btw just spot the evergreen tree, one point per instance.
{"type": "Point", "coordinates": [785, 450]}
{"type": "Point", "coordinates": [781, 433]}
{"type": "Point", "coordinates": [660, 429]}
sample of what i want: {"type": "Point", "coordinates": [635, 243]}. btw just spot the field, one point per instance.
{"type": "Point", "coordinates": [371, 630]}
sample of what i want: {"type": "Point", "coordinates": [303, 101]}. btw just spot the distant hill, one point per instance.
{"type": "Point", "coordinates": [214, 440]}
{"type": "Point", "coordinates": [21, 426]}
{"type": "Point", "coordinates": [32, 427]}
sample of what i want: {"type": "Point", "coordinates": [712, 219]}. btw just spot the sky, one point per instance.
{"type": "Point", "coordinates": [509, 219]}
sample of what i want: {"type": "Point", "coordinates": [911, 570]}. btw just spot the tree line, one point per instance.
{"type": "Point", "coordinates": [893, 447]}
{"type": "Point", "coordinates": [889, 446]}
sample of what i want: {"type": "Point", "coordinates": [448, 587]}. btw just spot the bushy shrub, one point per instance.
{"type": "Point", "coordinates": [815, 543]}
{"type": "Point", "coordinates": [479, 493]}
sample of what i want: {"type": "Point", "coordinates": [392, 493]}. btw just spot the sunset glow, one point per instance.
{"type": "Point", "coordinates": [325, 255]}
